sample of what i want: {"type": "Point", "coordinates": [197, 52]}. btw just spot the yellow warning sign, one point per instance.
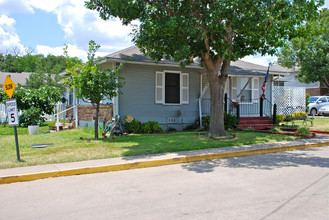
{"type": "Point", "coordinates": [9, 86]}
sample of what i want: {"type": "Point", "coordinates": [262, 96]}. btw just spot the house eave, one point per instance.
{"type": "Point", "coordinates": [150, 63]}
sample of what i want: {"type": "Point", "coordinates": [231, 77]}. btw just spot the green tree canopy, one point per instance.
{"type": "Point", "coordinates": [90, 82]}
{"type": "Point", "coordinates": [310, 52]}
{"type": "Point", "coordinates": [217, 31]}
{"type": "Point", "coordinates": [44, 70]}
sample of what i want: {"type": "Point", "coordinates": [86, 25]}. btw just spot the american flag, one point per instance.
{"type": "Point", "coordinates": [265, 81]}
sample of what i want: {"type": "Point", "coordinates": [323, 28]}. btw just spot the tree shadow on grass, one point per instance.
{"type": "Point", "coordinates": [263, 161]}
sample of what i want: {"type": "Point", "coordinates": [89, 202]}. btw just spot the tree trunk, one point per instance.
{"type": "Point", "coordinates": [217, 88]}
{"type": "Point", "coordinates": [96, 120]}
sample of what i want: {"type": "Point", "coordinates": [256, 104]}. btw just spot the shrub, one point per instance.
{"type": "Point", "coordinates": [288, 117]}
{"type": "Point", "coordinates": [155, 127]}
{"type": "Point", "coordinates": [206, 122]}
{"type": "Point", "coordinates": [230, 121]}
{"type": "Point", "coordinates": [279, 118]}
{"type": "Point", "coordinates": [171, 129]}
{"type": "Point", "coordinates": [31, 116]}
{"type": "Point", "coordinates": [300, 115]}
{"type": "Point", "coordinates": [304, 130]}
{"type": "Point", "coordinates": [132, 127]}
{"type": "Point", "coordinates": [146, 127]}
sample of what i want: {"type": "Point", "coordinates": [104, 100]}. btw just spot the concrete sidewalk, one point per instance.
{"type": "Point", "coordinates": [22, 174]}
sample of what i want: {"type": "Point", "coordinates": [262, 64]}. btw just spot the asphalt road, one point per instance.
{"type": "Point", "coordinates": [284, 185]}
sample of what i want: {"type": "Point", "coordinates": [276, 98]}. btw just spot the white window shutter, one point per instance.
{"type": "Point", "coordinates": [255, 88]}
{"type": "Point", "coordinates": [159, 87]}
{"type": "Point", "coordinates": [184, 88]}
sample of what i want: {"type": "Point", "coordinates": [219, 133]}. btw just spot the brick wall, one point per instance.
{"type": "Point", "coordinates": [317, 91]}
{"type": "Point", "coordinates": [86, 112]}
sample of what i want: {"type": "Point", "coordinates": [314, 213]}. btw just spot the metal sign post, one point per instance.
{"type": "Point", "coordinates": [11, 107]}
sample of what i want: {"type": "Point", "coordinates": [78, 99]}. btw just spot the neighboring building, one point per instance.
{"type": "Point", "coordinates": [18, 78]}
{"type": "Point", "coordinates": [177, 97]}
{"type": "Point", "coordinates": [314, 89]}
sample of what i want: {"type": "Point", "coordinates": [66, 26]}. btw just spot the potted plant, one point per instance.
{"type": "Point", "coordinates": [31, 118]}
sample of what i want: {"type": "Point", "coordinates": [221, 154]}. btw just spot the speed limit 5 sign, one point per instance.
{"type": "Point", "coordinates": [11, 107]}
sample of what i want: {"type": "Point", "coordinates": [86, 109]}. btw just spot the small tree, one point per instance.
{"type": "Point", "coordinates": [91, 83]}
{"type": "Point", "coordinates": [310, 51]}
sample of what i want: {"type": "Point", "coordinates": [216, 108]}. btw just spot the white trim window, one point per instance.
{"type": "Point", "coordinates": [171, 87]}
{"type": "Point", "coordinates": [245, 89]}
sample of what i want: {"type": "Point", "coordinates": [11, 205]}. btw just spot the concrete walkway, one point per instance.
{"type": "Point", "coordinates": [22, 174]}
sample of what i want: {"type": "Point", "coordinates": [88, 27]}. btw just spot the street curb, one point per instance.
{"type": "Point", "coordinates": [150, 163]}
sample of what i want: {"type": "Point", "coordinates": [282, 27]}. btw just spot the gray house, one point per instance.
{"type": "Point", "coordinates": [177, 97]}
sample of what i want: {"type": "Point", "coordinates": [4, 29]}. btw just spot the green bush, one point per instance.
{"type": "Point", "coordinates": [155, 127]}
{"type": "Point", "coordinates": [50, 123]}
{"type": "Point", "coordinates": [230, 121]}
{"type": "Point", "coordinates": [279, 118]}
{"type": "Point", "coordinates": [171, 129]}
{"type": "Point", "coordinates": [206, 122]}
{"type": "Point", "coordinates": [31, 116]}
{"type": "Point", "coordinates": [146, 128]}
{"type": "Point", "coordinates": [304, 130]}
{"type": "Point", "coordinates": [299, 115]}
{"type": "Point", "coordinates": [288, 117]}
{"type": "Point", "coordinates": [132, 127]}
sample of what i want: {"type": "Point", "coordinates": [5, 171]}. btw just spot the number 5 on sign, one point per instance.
{"type": "Point", "coordinates": [11, 107]}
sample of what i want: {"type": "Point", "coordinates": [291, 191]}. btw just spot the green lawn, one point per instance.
{"type": "Point", "coordinates": [69, 147]}
{"type": "Point", "coordinates": [319, 123]}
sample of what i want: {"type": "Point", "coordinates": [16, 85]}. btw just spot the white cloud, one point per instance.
{"type": "Point", "coordinates": [8, 36]}
{"type": "Point", "coordinates": [80, 25]}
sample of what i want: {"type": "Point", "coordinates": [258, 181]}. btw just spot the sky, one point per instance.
{"type": "Point", "coordinates": [44, 26]}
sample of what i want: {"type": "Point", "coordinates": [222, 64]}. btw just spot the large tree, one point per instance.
{"type": "Point", "coordinates": [91, 83]}
{"type": "Point", "coordinates": [217, 31]}
{"type": "Point", "coordinates": [310, 52]}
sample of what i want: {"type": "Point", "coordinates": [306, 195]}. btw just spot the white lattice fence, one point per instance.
{"type": "Point", "coordinates": [289, 99]}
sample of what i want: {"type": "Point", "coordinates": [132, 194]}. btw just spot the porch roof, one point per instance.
{"type": "Point", "coordinates": [134, 55]}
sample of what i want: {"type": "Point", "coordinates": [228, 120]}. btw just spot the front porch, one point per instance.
{"type": "Point", "coordinates": [256, 113]}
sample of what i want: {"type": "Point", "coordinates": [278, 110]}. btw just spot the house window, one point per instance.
{"type": "Point", "coordinates": [171, 87]}
{"type": "Point", "coordinates": [245, 89]}
{"type": "Point", "coordinates": [278, 83]}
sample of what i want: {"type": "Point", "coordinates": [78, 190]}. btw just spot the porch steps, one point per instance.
{"type": "Point", "coordinates": [257, 123]}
